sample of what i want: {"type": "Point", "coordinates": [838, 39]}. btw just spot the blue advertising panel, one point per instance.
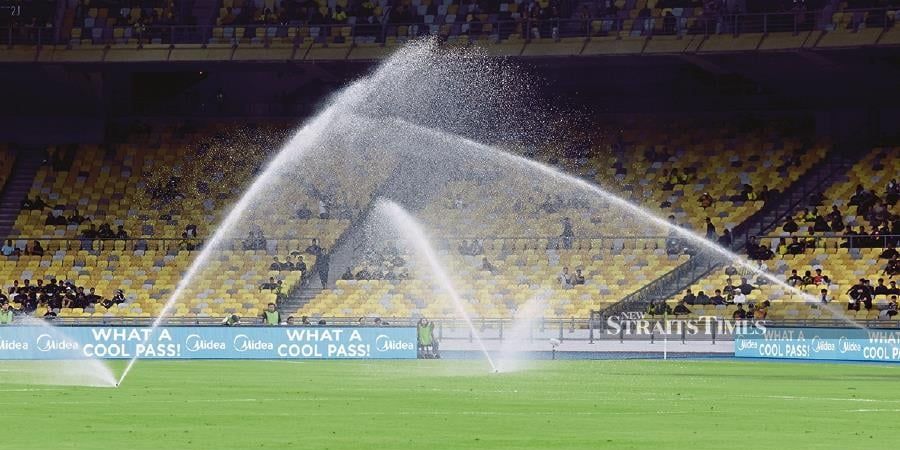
{"type": "Point", "coordinates": [847, 344]}
{"type": "Point", "coordinates": [43, 342]}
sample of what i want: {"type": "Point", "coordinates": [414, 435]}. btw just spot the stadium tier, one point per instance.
{"type": "Point", "coordinates": [107, 218]}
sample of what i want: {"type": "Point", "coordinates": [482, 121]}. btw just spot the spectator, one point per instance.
{"type": "Point", "coordinates": [823, 296]}
{"type": "Point", "coordinates": [711, 233]}
{"type": "Point", "coordinates": [276, 264]}
{"type": "Point", "coordinates": [565, 279]}
{"type": "Point", "coordinates": [314, 248]}
{"type": "Point", "coordinates": [270, 285]}
{"type": "Point", "coordinates": [322, 267]}
{"type": "Point", "coordinates": [889, 253]}
{"type": "Point", "coordinates": [689, 297]}
{"type": "Point", "coordinates": [739, 313]}
{"type": "Point", "coordinates": [300, 265]}
{"type": "Point", "coordinates": [121, 233]}
{"type": "Point", "coordinates": [487, 266]}
{"type": "Point", "coordinates": [36, 249]}
{"type": "Point", "coordinates": [819, 278]}
{"type": "Point", "coordinates": [728, 290]}
{"type": "Point", "coordinates": [702, 299]}
{"type": "Point", "coordinates": [347, 275]}
{"type": "Point", "coordinates": [76, 218]}
{"type": "Point", "coordinates": [567, 234]}
{"type": "Point", "coordinates": [231, 320]}
{"type": "Point", "coordinates": [579, 278]}
{"type": "Point", "coordinates": [893, 289]}
{"type": "Point", "coordinates": [681, 309]}
{"type": "Point", "coordinates": [761, 312]}
{"type": "Point", "coordinates": [821, 225]}
{"type": "Point", "coordinates": [881, 289]}
{"type": "Point", "coordinates": [739, 298]}
{"type": "Point", "coordinates": [6, 314]}
{"type": "Point", "coordinates": [790, 226]}
{"type": "Point", "coordinates": [705, 200]}
{"type": "Point", "coordinates": [859, 294]}
{"type": "Point", "coordinates": [726, 240]}
{"type": "Point", "coordinates": [271, 316]}
{"type": "Point", "coordinates": [893, 267]}
{"type": "Point", "coordinates": [888, 312]}
{"type": "Point", "coordinates": [745, 287]}
{"type": "Point", "coordinates": [807, 279]}
{"type": "Point", "coordinates": [8, 249]}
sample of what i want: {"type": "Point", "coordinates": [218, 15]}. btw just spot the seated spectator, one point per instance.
{"type": "Point", "coordinates": [76, 218]}
{"type": "Point", "coordinates": [859, 294]}
{"type": "Point", "coordinates": [681, 309]}
{"type": "Point", "coordinates": [821, 225]}
{"type": "Point", "coordinates": [796, 247]}
{"type": "Point", "coordinates": [8, 249]}
{"type": "Point", "coordinates": [881, 289]}
{"type": "Point", "coordinates": [819, 278]}
{"type": "Point", "coordinates": [889, 253]}
{"type": "Point", "coordinates": [891, 309]}
{"type": "Point", "coordinates": [276, 264]}
{"type": "Point", "coordinates": [121, 233]}
{"type": "Point", "coordinates": [761, 312]}
{"type": "Point", "coordinates": [823, 296]}
{"type": "Point", "coordinates": [231, 320]}
{"type": "Point", "coordinates": [717, 298]}
{"type": "Point", "coordinates": [705, 200]}
{"type": "Point", "coordinates": [739, 298]}
{"type": "Point", "coordinates": [300, 265]}
{"type": "Point", "coordinates": [893, 267]}
{"type": "Point", "coordinates": [790, 226]}
{"type": "Point", "coordinates": [739, 313]}
{"type": "Point", "coordinates": [807, 279]}
{"type": "Point", "coordinates": [579, 278]}
{"type": "Point", "coordinates": [729, 290]}
{"type": "Point", "coordinates": [270, 285]}
{"type": "Point", "coordinates": [702, 299]}
{"type": "Point", "coordinates": [36, 249]}
{"type": "Point", "coordinates": [6, 314]}
{"type": "Point", "coordinates": [745, 287]}
{"type": "Point", "coordinates": [689, 297]}
{"type": "Point", "coordinates": [565, 278]}
{"type": "Point", "coordinates": [893, 289]}
{"type": "Point", "coordinates": [347, 275]}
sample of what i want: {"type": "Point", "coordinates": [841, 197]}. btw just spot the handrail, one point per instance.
{"type": "Point", "coordinates": [822, 240]}
{"type": "Point", "coordinates": [496, 30]}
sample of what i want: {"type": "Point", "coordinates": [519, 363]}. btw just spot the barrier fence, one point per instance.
{"type": "Point", "coordinates": [120, 342]}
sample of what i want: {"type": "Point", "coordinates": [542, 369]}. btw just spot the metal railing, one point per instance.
{"type": "Point", "coordinates": [170, 245]}
{"type": "Point", "coordinates": [832, 241]}
{"type": "Point", "coordinates": [489, 30]}
{"type": "Point", "coordinates": [497, 329]}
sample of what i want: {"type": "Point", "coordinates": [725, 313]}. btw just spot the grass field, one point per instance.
{"type": "Point", "coordinates": [456, 404]}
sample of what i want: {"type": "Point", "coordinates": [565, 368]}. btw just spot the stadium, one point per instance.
{"type": "Point", "coordinates": [449, 223]}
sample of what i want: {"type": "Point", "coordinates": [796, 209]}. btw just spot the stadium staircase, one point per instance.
{"type": "Point", "coordinates": [833, 169]}
{"type": "Point", "coordinates": [27, 163]}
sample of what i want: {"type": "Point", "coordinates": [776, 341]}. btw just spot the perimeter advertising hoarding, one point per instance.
{"type": "Point", "coordinates": [848, 344]}
{"type": "Point", "coordinates": [42, 342]}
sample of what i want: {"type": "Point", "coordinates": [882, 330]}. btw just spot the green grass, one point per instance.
{"type": "Point", "coordinates": [456, 404]}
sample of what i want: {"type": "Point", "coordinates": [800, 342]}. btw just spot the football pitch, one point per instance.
{"type": "Point", "coordinates": [443, 404]}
